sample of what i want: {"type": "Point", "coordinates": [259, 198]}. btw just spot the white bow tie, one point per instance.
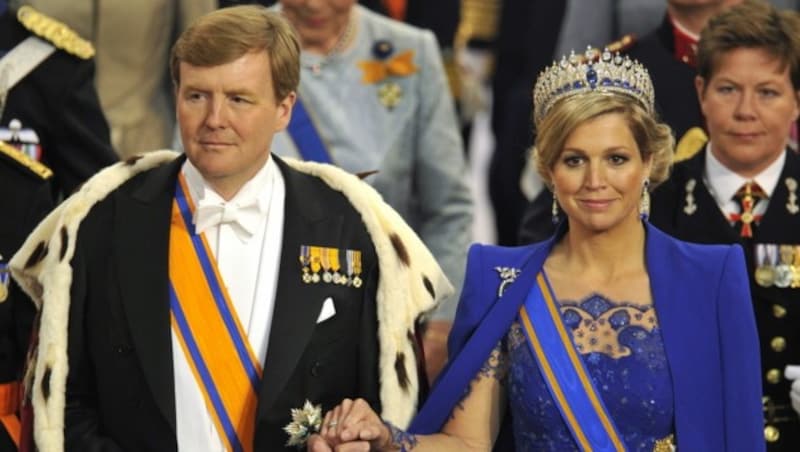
{"type": "Point", "coordinates": [243, 218]}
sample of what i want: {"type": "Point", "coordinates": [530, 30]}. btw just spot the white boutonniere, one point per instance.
{"type": "Point", "coordinates": [305, 422]}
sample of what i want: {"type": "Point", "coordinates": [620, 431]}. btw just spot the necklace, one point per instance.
{"type": "Point", "coordinates": [345, 38]}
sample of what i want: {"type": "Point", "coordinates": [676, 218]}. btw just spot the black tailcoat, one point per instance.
{"type": "Point", "coordinates": [120, 384]}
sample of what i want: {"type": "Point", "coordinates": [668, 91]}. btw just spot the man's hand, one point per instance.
{"type": "Point", "coordinates": [351, 426]}
{"type": "Point", "coordinates": [793, 373]}
{"type": "Point", "coordinates": [434, 341]}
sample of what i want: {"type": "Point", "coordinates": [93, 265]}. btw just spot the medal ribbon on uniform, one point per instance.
{"type": "Point", "coordinates": [206, 325]}
{"type": "Point", "coordinates": [747, 197]}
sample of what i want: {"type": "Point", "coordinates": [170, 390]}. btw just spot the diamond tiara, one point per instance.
{"type": "Point", "coordinates": [592, 71]}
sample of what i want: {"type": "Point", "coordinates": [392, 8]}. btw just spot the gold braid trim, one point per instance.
{"type": "Point", "coordinates": [55, 32]}
{"type": "Point", "coordinates": [23, 159]}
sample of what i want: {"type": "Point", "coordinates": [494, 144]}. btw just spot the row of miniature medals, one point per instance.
{"type": "Point", "coordinates": [321, 264]}
{"type": "Point", "coordinates": [777, 265]}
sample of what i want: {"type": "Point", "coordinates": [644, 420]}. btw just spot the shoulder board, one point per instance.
{"type": "Point", "coordinates": [622, 44]}
{"type": "Point", "coordinates": [34, 166]}
{"type": "Point", "coordinates": [55, 32]}
{"type": "Point", "coordinates": [690, 144]}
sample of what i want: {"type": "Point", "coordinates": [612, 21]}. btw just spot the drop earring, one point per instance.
{"type": "Point", "coordinates": [644, 203]}
{"type": "Point", "coordinates": [554, 210]}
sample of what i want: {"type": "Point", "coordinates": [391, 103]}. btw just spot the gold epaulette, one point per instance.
{"type": "Point", "coordinates": [622, 44]}
{"type": "Point", "coordinates": [689, 144]}
{"type": "Point", "coordinates": [56, 32]}
{"type": "Point", "coordinates": [23, 159]}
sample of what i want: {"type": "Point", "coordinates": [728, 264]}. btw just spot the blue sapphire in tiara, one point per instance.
{"type": "Point", "coordinates": [592, 71]}
{"type": "Point", "coordinates": [591, 77]}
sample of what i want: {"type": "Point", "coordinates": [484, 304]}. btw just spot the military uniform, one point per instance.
{"type": "Point", "coordinates": [684, 207]}
{"type": "Point", "coordinates": [25, 197]}
{"type": "Point", "coordinates": [58, 116]}
{"type": "Point", "coordinates": [673, 77]}
{"type": "Point", "coordinates": [57, 100]}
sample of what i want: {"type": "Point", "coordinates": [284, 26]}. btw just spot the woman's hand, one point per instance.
{"type": "Point", "coordinates": [351, 426]}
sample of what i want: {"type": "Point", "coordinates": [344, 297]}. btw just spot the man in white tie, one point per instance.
{"type": "Point", "coordinates": [192, 302]}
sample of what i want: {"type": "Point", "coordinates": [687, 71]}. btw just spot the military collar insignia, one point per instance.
{"type": "Point", "coordinates": [55, 32]}
{"type": "Point", "coordinates": [791, 204]}
{"type": "Point", "coordinates": [690, 207]}
{"type": "Point", "coordinates": [507, 276]}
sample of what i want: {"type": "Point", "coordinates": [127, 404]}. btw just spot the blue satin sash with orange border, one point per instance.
{"type": "Point", "coordinates": [206, 325]}
{"type": "Point", "coordinates": [305, 135]}
{"type": "Point", "coordinates": [565, 374]}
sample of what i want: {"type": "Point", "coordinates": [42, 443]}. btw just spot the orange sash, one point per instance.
{"type": "Point", "coordinates": [208, 329]}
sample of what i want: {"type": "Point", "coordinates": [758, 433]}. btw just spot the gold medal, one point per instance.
{"type": "Point", "coordinates": [316, 263]}
{"type": "Point", "coordinates": [765, 276]}
{"type": "Point", "coordinates": [305, 260]}
{"type": "Point", "coordinates": [784, 273]}
{"type": "Point", "coordinates": [765, 270]}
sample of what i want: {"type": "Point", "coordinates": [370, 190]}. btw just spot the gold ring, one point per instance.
{"type": "Point", "coordinates": [332, 424]}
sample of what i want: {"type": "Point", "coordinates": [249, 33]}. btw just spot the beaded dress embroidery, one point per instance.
{"type": "Point", "coordinates": [623, 352]}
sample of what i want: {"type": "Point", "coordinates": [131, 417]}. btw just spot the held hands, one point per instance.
{"type": "Point", "coordinates": [349, 427]}
{"type": "Point", "coordinates": [793, 373]}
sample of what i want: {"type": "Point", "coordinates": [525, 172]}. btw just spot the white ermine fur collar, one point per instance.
{"type": "Point", "coordinates": [411, 283]}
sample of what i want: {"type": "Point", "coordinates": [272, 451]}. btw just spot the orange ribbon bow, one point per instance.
{"type": "Point", "coordinates": [397, 66]}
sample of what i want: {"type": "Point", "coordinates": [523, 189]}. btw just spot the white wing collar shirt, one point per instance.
{"type": "Point", "coordinates": [244, 235]}
{"type": "Point", "coordinates": [724, 183]}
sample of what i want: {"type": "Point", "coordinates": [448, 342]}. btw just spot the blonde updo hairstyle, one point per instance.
{"type": "Point", "coordinates": [654, 139]}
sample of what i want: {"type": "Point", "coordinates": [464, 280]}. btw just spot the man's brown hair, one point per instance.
{"type": "Point", "coordinates": [227, 34]}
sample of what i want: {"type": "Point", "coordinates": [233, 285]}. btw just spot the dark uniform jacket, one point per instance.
{"type": "Point", "coordinates": [697, 218]}
{"type": "Point", "coordinates": [25, 198]}
{"type": "Point", "coordinates": [526, 40]}
{"type": "Point", "coordinates": [673, 80]}
{"type": "Point", "coordinates": [59, 102]}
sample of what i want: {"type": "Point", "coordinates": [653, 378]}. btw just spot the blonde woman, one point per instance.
{"type": "Point", "coordinates": [610, 335]}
